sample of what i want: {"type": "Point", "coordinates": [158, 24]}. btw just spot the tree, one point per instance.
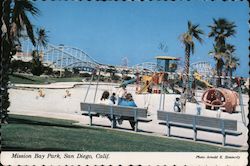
{"type": "Point", "coordinates": [41, 41]}
{"type": "Point", "coordinates": [76, 70]}
{"type": "Point", "coordinates": [221, 29]}
{"type": "Point", "coordinates": [42, 38]}
{"type": "Point", "coordinates": [228, 55]}
{"type": "Point", "coordinates": [37, 66]}
{"type": "Point", "coordinates": [218, 56]}
{"type": "Point", "coordinates": [192, 32]}
{"type": "Point", "coordinates": [14, 24]}
{"type": "Point", "coordinates": [233, 64]}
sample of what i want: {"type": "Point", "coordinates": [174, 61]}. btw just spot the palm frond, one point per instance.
{"type": "Point", "coordinates": [29, 29]}
{"type": "Point", "coordinates": [27, 6]}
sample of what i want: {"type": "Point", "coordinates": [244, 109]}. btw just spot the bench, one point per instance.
{"type": "Point", "coordinates": [126, 113]}
{"type": "Point", "coordinates": [198, 123]}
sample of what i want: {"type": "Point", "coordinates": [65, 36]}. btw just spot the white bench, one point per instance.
{"type": "Point", "coordinates": [196, 123]}
{"type": "Point", "coordinates": [112, 111]}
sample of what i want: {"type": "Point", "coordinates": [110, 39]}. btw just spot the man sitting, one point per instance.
{"type": "Point", "coordinates": [128, 101]}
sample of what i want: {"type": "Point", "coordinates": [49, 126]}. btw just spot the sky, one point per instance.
{"type": "Point", "coordinates": [110, 31]}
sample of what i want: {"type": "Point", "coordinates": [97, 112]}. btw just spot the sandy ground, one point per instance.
{"type": "Point", "coordinates": [26, 101]}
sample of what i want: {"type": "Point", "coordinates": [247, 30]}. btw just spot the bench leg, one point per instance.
{"type": "Point", "coordinates": [136, 126]}
{"type": "Point", "coordinates": [195, 135]}
{"type": "Point", "coordinates": [168, 130]}
{"type": "Point", "coordinates": [112, 123]}
{"type": "Point", "coordinates": [90, 120]}
{"type": "Point", "coordinates": [224, 140]}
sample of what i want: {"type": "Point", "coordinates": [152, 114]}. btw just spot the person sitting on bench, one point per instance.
{"type": "Point", "coordinates": [113, 98]}
{"type": "Point", "coordinates": [106, 100]}
{"type": "Point", "coordinates": [128, 101]}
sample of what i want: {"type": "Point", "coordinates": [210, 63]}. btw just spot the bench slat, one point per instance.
{"type": "Point", "coordinates": [200, 120]}
{"type": "Point", "coordinates": [117, 110]}
{"type": "Point", "coordinates": [173, 117]}
{"type": "Point", "coordinates": [126, 113]}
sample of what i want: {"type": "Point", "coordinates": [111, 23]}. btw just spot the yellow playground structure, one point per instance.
{"type": "Point", "coordinates": [166, 66]}
{"type": "Point", "coordinates": [198, 77]}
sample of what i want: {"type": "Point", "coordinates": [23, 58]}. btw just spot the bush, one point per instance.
{"type": "Point", "coordinates": [20, 66]}
{"type": "Point", "coordinates": [67, 73]}
{"type": "Point", "coordinates": [76, 70]}
{"type": "Point", "coordinates": [85, 75]}
{"type": "Point", "coordinates": [37, 67]}
{"type": "Point", "coordinates": [48, 70]}
{"type": "Point", "coordinates": [116, 77]}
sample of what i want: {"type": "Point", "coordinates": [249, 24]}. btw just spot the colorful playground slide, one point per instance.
{"type": "Point", "coordinates": [145, 88]}
{"type": "Point", "coordinates": [125, 83]}
{"type": "Point", "coordinates": [197, 76]}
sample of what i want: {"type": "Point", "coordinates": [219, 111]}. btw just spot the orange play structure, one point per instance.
{"type": "Point", "coordinates": [151, 81]}
{"type": "Point", "coordinates": [215, 98]}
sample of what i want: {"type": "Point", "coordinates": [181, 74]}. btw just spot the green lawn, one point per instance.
{"type": "Point", "coordinates": [35, 133]}
{"type": "Point", "coordinates": [24, 79]}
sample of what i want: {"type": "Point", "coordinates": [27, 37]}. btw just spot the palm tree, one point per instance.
{"type": "Point", "coordinates": [231, 61]}
{"type": "Point", "coordinates": [233, 64]}
{"type": "Point", "coordinates": [187, 39]}
{"type": "Point", "coordinates": [220, 31]}
{"type": "Point", "coordinates": [218, 56]}
{"type": "Point", "coordinates": [42, 38]}
{"type": "Point", "coordinates": [228, 55]}
{"type": "Point", "coordinates": [41, 41]}
{"type": "Point", "coordinates": [15, 24]}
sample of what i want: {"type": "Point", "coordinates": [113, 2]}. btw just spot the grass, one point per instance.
{"type": "Point", "coordinates": [41, 134]}
{"type": "Point", "coordinates": [25, 79]}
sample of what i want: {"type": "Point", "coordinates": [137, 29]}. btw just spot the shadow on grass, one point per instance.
{"type": "Point", "coordinates": [121, 128]}
{"type": "Point", "coordinates": [29, 149]}
{"type": "Point", "coordinates": [13, 120]}
{"type": "Point", "coordinates": [207, 141]}
{"type": "Point", "coordinates": [22, 77]}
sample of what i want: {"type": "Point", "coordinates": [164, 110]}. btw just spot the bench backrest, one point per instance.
{"type": "Point", "coordinates": [198, 120]}
{"type": "Point", "coordinates": [114, 109]}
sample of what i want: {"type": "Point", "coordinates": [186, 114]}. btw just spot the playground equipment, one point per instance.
{"type": "Point", "coordinates": [151, 83]}
{"type": "Point", "coordinates": [167, 63]}
{"type": "Point", "coordinates": [125, 83]}
{"type": "Point", "coordinates": [198, 77]}
{"type": "Point", "coordinates": [166, 66]}
{"type": "Point", "coordinates": [216, 98]}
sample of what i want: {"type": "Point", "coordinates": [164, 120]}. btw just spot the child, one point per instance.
{"type": "Point", "coordinates": [113, 98]}
{"type": "Point", "coordinates": [122, 93]}
{"type": "Point", "coordinates": [177, 105]}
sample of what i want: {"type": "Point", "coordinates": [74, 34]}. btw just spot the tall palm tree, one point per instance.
{"type": "Point", "coordinates": [42, 38]}
{"type": "Point", "coordinates": [15, 24]}
{"type": "Point", "coordinates": [233, 64]}
{"type": "Point", "coordinates": [228, 55]}
{"type": "Point", "coordinates": [218, 56]}
{"type": "Point", "coordinates": [41, 42]}
{"type": "Point", "coordinates": [220, 30]}
{"type": "Point", "coordinates": [231, 61]}
{"type": "Point", "coordinates": [193, 31]}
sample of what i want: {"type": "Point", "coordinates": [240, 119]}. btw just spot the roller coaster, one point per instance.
{"type": "Point", "coordinates": [62, 56]}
